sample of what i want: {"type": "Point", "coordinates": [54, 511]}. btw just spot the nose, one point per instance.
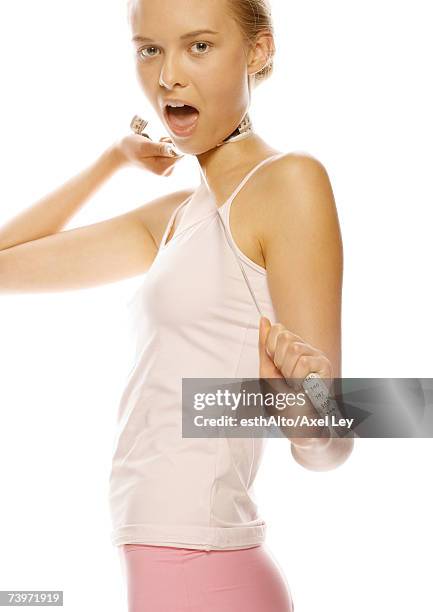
{"type": "Point", "coordinates": [171, 73]}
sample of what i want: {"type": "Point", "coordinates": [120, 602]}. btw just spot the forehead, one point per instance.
{"type": "Point", "coordinates": [177, 16]}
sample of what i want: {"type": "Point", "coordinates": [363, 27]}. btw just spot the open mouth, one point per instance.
{"type": "Point", "coordinates": [182, 119]}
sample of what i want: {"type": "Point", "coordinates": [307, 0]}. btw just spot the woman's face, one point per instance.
{"type": "Point", "coordinates": [205, 70]}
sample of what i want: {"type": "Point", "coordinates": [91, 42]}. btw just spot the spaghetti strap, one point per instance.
{"type": "Point", "coordinates": [170, 222]}
{"type": "Point", "coordinates": [231, 198]}
{"type": "Point", "coordinates": [244, 274]}
{"type": "Point", "coordinates": [250, 174]}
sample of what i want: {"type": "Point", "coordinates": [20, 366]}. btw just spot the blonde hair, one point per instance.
{"type": "Point", "coordinates": [254, 17]}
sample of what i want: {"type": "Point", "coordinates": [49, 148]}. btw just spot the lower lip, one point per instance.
{"type": "Point", "coordinates": [182, 133]}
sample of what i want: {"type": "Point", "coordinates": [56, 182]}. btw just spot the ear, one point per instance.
{"type": "Point", "coordinates": [260, 52]}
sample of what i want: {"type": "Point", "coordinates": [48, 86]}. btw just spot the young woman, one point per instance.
{"type": "Point", "coordinates": [183, 510]}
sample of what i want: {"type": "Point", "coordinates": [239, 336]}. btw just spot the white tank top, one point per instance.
{"type": "Point", "coordinates": [194, 316]}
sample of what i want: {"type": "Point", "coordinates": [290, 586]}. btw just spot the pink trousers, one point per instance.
{"type": "Point", "coordinates": [169, 579]}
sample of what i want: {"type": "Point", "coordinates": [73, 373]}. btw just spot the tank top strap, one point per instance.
{"type": "Point", "coordinates": [250, 174]}
{"type": "Point", "coordinates": [244, 274]}
{"type": "Point", "coordinates": [227, 231]}
{"type": "Point", "coordinates": [170, 222]}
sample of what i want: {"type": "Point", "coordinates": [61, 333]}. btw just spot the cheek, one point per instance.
{"type": "Point", "coordinates": [148, 79]}
{"type": "Point", "coordinates": [145, 75]}
{"type": "Point", "coordinates": [226, 82]}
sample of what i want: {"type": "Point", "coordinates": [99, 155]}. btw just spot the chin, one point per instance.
{"type": "Point", "coordinates": [193, 148]}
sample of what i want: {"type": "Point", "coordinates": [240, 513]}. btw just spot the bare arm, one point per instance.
{"type": "Point", "coordinates": [36, 256]}
{"type": "Point", "coordinates": [304, 262]}
{"type": "Point", "coordinates": [50, 214]}
{"type": "Point", "coordinates": [88, 256]}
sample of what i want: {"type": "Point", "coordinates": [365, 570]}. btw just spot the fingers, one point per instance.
{"type": "Point", "coordinates": [264, 328]}
{"type": "Point", "coordinates": [293, 357]}
{"type": "Point", "coordinates": [267, 367]}
{"type": "Point", "coordinates": [287, 337]}
{"type": "Point", "coordinates": [163, 148]}
{"type": "Point", "coordinates": [288, 352]}
{"type": "Point", "coordinates": [313, 363]}
{"type": "Point", "coordinates": [169, 146]}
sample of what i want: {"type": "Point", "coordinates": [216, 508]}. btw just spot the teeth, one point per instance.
{"type": "Point", "coordinates": [175, 104]}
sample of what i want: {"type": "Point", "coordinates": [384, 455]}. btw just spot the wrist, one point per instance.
{"type": "Point", "coordinates": [114, 158]}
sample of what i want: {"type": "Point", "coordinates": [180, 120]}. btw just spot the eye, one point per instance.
{"type": "Point", "coordinates": [202, 43]}
{"type": "Point", "coordinates": [140, 51]}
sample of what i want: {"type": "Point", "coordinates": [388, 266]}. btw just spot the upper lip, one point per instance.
{"type": "Point", "coordinates": [177, 100]}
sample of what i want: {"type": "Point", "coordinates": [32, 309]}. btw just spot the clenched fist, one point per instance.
{"type": "Point", "coordinates": [283, 354]}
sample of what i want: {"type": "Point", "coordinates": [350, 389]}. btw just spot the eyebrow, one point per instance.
{"type": "Point", "coordinates": [189, 35]}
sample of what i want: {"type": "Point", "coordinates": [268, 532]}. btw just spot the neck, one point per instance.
{"type": "Point", "coordinates": [228, 161]}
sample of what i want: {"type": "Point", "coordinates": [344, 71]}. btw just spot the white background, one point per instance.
{"type": "Point", "coordinates": [351, 87]}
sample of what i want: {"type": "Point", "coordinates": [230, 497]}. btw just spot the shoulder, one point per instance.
{"type": "Point", "coordinates": [171, 200]}
{"type": "Point", "coordinates": [156, 213]}
{"type": "Point", "coordinates": [297, 189]}
{"type": "Point", "coordinates": [297, 211]}
{"type": "Point", "coordinates": [297, 171]}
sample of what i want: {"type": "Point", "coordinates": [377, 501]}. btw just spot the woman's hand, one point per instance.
{"type": "Point", "coordinates": [283, 354]}
{"type": "Point", "coordinates": [157, 157]}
